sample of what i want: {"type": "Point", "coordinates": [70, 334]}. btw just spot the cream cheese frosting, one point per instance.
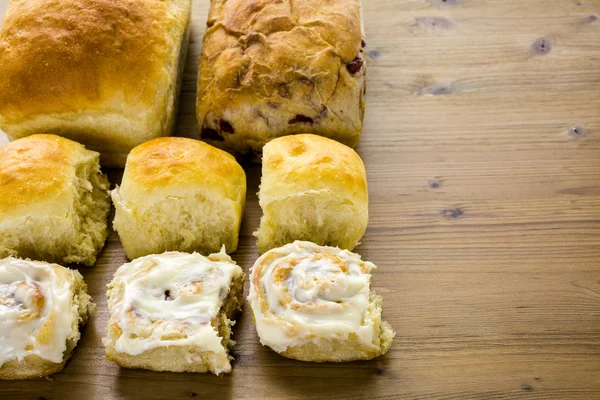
{"type": "Point", "coordinates": [302, 293]}
{"type": "Point", "coordinates": [36, 317]}
{"type": "Point", "coordinates": [170, 299]}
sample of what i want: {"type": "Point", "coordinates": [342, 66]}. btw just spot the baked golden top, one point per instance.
{"type": "Point", "coordinates": [291, 57]}
{"type": "Point", "coordinates": [305, 162]}
{"type": "Point", "coordinates": [178, 166]}
{"type": "Point", "coordinates": [63, 55]}
{"type": "Point", "coordinates": [38, 169]}
{"type": "Point", "coordinates": [335, 21]}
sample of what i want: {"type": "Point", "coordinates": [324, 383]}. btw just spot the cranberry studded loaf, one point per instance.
{"type": "Point", "coordinates": [105, 73]}
{"type": "Point", "coordinates": [274, 68]}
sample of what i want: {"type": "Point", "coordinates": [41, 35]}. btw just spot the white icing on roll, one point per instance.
{"type": "Point", "coordinates": [170, 300]}
{"type": "Point", "coordinates": [35, 310]}
{"type": "Point", "coordinates": [302, 293]}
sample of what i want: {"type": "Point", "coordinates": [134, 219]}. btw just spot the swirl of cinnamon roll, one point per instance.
{"type": "Point", "coordinates": [41, 307]}
{"type": "Point", "coordinates": [314, 303]}
{"type": "Point", "coordinates": [171, 311]}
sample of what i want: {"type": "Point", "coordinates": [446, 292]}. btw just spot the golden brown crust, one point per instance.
{"type": "Point", "coordinates": [54, 201]}
{"type": "Point", "coordinates": [272, 68]}
{"type": "Point", "coordinates": [179, 194]}
{"type": "Point", "coordinates": [23, 178]}
{"type": "Point", "coordinates": [175, 162]}
{"type": "Point", "coordinates": [64, 62]}
{"type": "Point", "coordinates": [300, 163]}
{"type": "Point", "coordinates": [314, 189]}
{"type": "Point", "coordinates": [61, 33]}
{"type": "Point", "coordinates": [37, 169]}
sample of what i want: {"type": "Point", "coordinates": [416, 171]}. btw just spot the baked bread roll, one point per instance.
{"type": "Point", "coordinates": [103, 73]}
{"type": "Point", "coordinates": [273, 68]}
{"type": "Point", "coordinates": [312, 188]}
{"type": "Point", "coordinates": [179, 194]}
{"type": "Point", "coordinates": [54, 201]}
{"type": "Point", "coordinates": [173, 311]}
{"type": "Point", "coordinates": [41, 308]}
{"type": "Point", "coordinates": [314, 303]}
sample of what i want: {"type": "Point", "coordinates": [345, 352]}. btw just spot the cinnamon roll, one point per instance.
{"type": "Point", "coordinates": [314, 303]}
{"type": "Point", "coordinates": [42, 306]}
{"type": "Point", "coordinates": [172, 312]}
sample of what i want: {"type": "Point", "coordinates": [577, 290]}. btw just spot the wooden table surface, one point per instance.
{"type": "Point", "coordinates": [482, 147]}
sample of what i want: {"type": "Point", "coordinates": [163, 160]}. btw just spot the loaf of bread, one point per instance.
{"type": "Point", "coordinates": [314, 303]}
{"type": "Point", "coordinates": [41, 308]}
{"type": "Point", "coordinates": [173, 312]}
{"type": "Point", "coordinates": [179, 194]}
{"type": "Point", "coordinates": [53, 201]}
{"type": "Point", "coordinates": [274, 68]}
{"type": "Point", "coordinates": [314, 189]}
{"type": "Point", "coordinates": [103, 73]}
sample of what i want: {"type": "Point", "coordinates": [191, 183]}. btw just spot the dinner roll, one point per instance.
{"type": "Point", "coordinates": [54, 201]}
{"type": "Point", "coordinates": [104, 73]}
{"type": "Point", "coordinates": [314, 303]}
{"type": "Point", "coordinates": [174, 312]}
{"type": "Point", "coordinates": [179, 194]}
{"type": "Point", "coordinates": [314, 189]}
{"type": "Point", "coordinates": [42, 306]}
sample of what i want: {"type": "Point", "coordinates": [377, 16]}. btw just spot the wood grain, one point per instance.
{"type": "Point", "coordinates": [482, 146]}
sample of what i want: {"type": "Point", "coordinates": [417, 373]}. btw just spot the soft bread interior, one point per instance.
{"type": "Point", "coordinates": [191, 223]}
{"type": "Point", "coordinates": [224, 322]}
{"type": "Point", "coordinates": [90, 210]}
{"type": "Point", "coordinates": [386, 333]}
{"type": "Point", "coordinates": [82, 306]}
{"type": "Point", "coordinates": [318, 216]}
{"type": "Point", "coordinates": [76, 237]}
